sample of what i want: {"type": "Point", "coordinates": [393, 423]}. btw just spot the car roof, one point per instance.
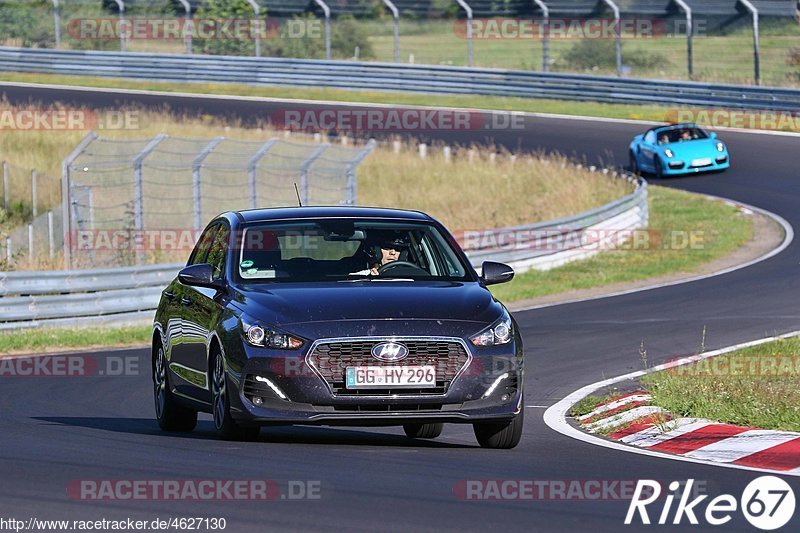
{"type": "Point", "coordinates": [317, 212]}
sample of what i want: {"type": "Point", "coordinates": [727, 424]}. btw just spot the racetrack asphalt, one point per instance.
{"type": "Point", "coordinates": [55, 430]}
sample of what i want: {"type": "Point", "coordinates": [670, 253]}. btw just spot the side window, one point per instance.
{"type": "Point", "coordinates": [219, 250]}
{"type": "Point", "coordinates": [201, 249]}
{"type": "Point", "coordinates": [650, 137]}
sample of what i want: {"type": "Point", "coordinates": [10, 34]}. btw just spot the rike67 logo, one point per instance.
{"type": "Point", "coordinates": [767, 502]}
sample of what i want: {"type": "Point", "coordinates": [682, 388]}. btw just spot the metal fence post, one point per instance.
{"type": "Point", "coordinates": [756, 48]}
{"type": "Point", "coordinates": [546, 36]}
{"type": "Point", "coordinates": [51, 234]}
{"type": "Point", "coordinates": [396, 22]}
{"type": "Point", "coordinates": [351, 189]}
{"type": "Point", "coordinates": [304, 168]}
{"type": "Point", "coordinates": [617, 30]}
{"type": "Point", "coordinates": [121, 6]}
{"type": "Point", "coordinates": [689, 31]}
{"type": "Point", "coordinates": [196, 189]}
{"type": "Point", "coordinates": [5, 185]}
{"type": "Point", "coordinates": [138, 187]}
{"type": "Point", "coordinates": [327, 11]}
{"type": "Point", "coordinates": [468, 10]}
{"type": "Point", "coordinates": [30, 242]}
{"type": "Point", "coordinates": [66, 193]}
{"type": "Point", "coordinates": [187, 35]}
{"type": "Point", "coordinates": [57, 23]}
{"type": "Point", "coordinates": [251, 170]}
{"type": "Point", "coordinates": [256, 11]}
{"type": "Point", "coordinates": [34, 200]}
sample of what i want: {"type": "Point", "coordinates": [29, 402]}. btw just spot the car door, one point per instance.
{"type": "Point", "coordinates": [187, 377]}
{"type": "Point", "coordinates": [201, 313]}
{"type": "Point", "coordinates": [647, 151]}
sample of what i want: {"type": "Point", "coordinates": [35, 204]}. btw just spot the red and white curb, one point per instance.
{"type": "Point", "coordinates": [632, 420]}
{"type": "Point", "coordinates": [647, 430]}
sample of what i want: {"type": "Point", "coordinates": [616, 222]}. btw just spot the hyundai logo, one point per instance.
{"type": "Point", "coordinates": [389, 351]}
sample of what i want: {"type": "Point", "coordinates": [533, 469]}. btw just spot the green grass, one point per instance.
{"type": "Point", "coordinates": [673, 216]}
{"type": "Point", "coordinates": [588, 404]}
{"type": "Point", "coordinates": [48, 339]}
{"type": "Point", "coordinates": [757, 386]}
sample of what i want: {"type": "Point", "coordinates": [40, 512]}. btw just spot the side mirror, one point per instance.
{"type": "Point", "coordinates": [200, 275]}
{"type": "Point", "coordinates": [713, 135]}
{"type": "Point", "coordinates": [493, 273]}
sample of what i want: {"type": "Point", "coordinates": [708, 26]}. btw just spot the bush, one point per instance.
{"type": "Point", "coordinates": [346, 34]}
{"type": "Point", "coordinates": [28, 24]}
{"type": "Point", "coordinates": [589, 54]}
{"type": "Point", "coordinates": [221, 9]}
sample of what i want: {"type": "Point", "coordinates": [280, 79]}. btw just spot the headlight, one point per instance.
{"type": "Point", "coordinates": [498, 333]}
{"type": "Point", "coordinates": [268, 337]}
{"type": "Point", "coordinates": [669, 153]}
{"type": "Point", "coordinates": [720, 147]}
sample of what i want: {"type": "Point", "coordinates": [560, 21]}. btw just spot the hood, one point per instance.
{"type": "Point", "coordinates": [693, 149]}
{"type": "Point", "coordinates": [292, 305]}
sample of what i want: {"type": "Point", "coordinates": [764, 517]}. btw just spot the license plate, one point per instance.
{"type": "Point", "coordinates": [701, 162]}
{"type": "Point", "coordinates": [385, 377]}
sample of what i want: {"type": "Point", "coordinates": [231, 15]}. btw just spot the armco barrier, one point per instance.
{"type": "Point", "coordinates": [394, 77]}
{"type": "Point", "coordinates": [78, 297]}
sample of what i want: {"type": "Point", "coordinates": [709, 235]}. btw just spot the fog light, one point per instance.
{"type": "Point", "coordinates": [494, 385]}
{"type": "Point", "coordinates": [257, 401]}
{"type": "Point", "coordinates": [505, 397]}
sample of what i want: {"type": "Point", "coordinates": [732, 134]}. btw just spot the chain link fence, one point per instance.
{"type": "Point", "coordinates": [724, 41]}
{"type": "Point", "coordinates": [145, 200]}
{"type": "Point", "coordinates": [31, 229]}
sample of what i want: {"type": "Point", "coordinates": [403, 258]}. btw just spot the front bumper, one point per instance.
{"type": "Point", "coordinates": [720, 161]}
{"type": "Point", "coordinates": [289, 391]}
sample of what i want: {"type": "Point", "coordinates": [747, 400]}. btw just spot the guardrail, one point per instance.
{"type": "Point", "coordinates": [78, 297]}
{"type": "Point", "coordinates": [394, 77]}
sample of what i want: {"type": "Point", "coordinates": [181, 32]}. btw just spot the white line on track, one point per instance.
{"type": "Point", "coordinates": [556, 416]}
{"type": "Point", "coordinates": [787, 240]}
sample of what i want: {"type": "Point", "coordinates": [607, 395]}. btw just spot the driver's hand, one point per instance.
{"type": "Point", "coordinates": [373, 271]}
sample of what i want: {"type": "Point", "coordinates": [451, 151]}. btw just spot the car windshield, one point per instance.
{"type": "Point", "coordinates": [346, 250]}
{"type": "Point", "coordinates": [675, 135]}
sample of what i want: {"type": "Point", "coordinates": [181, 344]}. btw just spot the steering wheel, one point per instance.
{"type": "Point", "coordinates": [395, 264]}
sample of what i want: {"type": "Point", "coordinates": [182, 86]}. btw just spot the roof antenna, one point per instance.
{"type": "Point", "coordinates": [296, 190]}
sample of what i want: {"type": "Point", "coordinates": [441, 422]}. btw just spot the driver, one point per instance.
{"type": "Point", "coordinates": [388, 251]}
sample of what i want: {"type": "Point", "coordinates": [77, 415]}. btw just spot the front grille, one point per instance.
{"type": "Point", "coordinates": [331, 360]}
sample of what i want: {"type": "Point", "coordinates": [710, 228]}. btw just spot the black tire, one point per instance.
{"type": "Point", "coordinates": [423, 431]}
{"type": "Point", "coordinates": [659, 171]}
{"type": "Point", "coordinates": [633, 165]}
{"type": "Point", "coordinates": [171, 415]}
{"type": "Point", "coordinates": [226, 426]}
{"type": "Point", "coordinates": [501, 436]}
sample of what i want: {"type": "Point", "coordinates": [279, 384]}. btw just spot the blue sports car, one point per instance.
{"type": "Point", "coordinates": [676, 150]}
